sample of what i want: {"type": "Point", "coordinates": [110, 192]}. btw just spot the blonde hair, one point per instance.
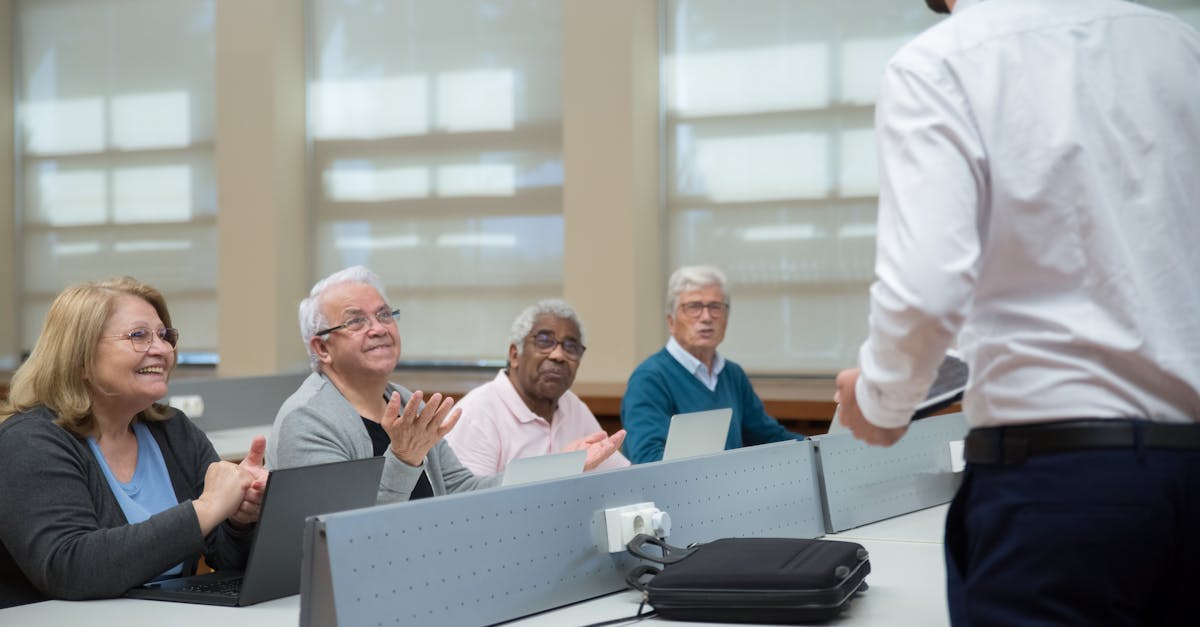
{"type": "Point", "coordinates": [63, 359]}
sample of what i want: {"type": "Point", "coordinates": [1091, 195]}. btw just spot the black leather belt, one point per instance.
{"type": "Point", "coordinates": [1013, 445]}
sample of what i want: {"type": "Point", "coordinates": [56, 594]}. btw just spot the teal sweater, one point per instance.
{"type": "Point", "coordinates": [661, 387]}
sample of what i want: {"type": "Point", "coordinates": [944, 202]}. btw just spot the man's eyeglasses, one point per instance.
{"type": "Point", "coordinates": [141, 338]}
{"type": "Point", "coordinates": [694, 308]}
{"type": "Point", "coordinates": [545, 342]}
{"type": "Point", "coordinates": [358, 323]}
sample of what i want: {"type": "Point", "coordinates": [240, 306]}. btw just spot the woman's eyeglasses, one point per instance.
{"type": "Point", "coordinates": [141, 338]}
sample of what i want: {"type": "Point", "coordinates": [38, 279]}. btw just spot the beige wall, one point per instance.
{"type": "Point", "coordinates": [8, 254]}
{"type": "Point", "coordinates": [261, 218]}
{"type": "Point", "coordinates": [613, 249]}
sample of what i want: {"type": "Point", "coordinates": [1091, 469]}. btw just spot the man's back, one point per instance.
{"type": "Point", "coordinates": [1079, 126]}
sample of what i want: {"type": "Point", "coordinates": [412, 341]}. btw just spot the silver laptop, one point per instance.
{"type": "Point", "coordinates": [543, 467]}
{"type": "Point", "coordinates": [697, 433]}
{"type": "Point", "coordinates": [273, 568]}
{"type": "Point", "coordinates": [947, 388]}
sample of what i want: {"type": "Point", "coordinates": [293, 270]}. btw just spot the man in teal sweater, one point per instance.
{"type": "Point", "coordinates": [688, 375]}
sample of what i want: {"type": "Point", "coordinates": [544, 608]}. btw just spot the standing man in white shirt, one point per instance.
{"type": "Point", "coordinates": [1040, 203]}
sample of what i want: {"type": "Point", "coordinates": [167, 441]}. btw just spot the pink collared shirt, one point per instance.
{"type": "Point", "coordinates": [496, 426]}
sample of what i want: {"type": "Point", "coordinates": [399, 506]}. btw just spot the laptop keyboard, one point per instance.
{"type": "Point", "coordinates": [225, 587]}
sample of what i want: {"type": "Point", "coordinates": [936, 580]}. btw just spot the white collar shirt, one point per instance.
{"type": "Point", "coordinates": [695, 366]}
{"type": "Point", "coordinates": [1040, 206]}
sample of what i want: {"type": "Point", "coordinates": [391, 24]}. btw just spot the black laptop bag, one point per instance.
{"type": "Point", "coordinates": [755, 580]}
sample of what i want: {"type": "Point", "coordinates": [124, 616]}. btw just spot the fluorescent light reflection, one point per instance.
{"type": "Point", "coordinates": [377, 243]}
{"type": "Point", "coordinates": [73, 249]}
{"type": "Point", "coordinates": [71, 198]}
{"type": "Point", "coordinates": [64, 126]}
{"type": "Point", "coordinates": [152, 194]}
{"type": "Point", "coordinates": [477, 240]}
{"type": "Point", "coordinates": [365, 184]}
{"type": "Point", "coordinates": [766, 167]}
{"type": "Point", "coordinates": [151, 120]}
{"type": "Point", "coordinates": [782, 233]}
{"type": "Point", "coordinates": [484, 179]}
{"type": "Point", "coordinates": [857, 229]}
{"type": "Point", "coordinates": [149, 246]}
{"type": "Point", "coordinates": [370, 108]}
{"type": "Point", "coordinates": [784, 77]}
{"type": "Point", "coordinates": [480, 100]}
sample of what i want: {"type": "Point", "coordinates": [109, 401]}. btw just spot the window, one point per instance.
{"type": "Point", "coordinates": [115, 159]}
{"type": "Point", "coordinates": [771, 169]}
{"type": "Point", "coordinates": [437, 161]}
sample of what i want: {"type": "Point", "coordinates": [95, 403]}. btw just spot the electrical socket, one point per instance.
{"type": "Point", "coordinates": [190, 404]}
{"type": "Point", "coordinates": [625, 522]}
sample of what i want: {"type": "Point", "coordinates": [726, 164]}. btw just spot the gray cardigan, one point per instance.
{"type": "Point", "coordinates": [317, 425]}
{"type": "Point", "coordinates": [64, 536]}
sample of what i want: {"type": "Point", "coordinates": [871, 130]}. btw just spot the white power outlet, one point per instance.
{"type": "Point", "coordinates": [190, 404]}
{"type": "Point", "coordinates": [623, 523]}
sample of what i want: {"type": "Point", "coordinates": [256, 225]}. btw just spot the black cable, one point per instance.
{"type": "Point", "coordinates": [636, 618]}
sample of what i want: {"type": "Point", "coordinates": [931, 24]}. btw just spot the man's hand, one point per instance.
{"type": "Point", "coordinates": [599, 445]}
{"type": "Point", "coordinates": [418, 429]}
{"type": "Point", "coordinates": [251, 507]}
{"type": "Point", "coordinates": [850, 415]}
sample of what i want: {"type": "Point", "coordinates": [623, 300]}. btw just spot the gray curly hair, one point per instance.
{"type": "Point", "coordinates": [311, 318]}
{"type": "Point", "coordinates": [689, 278]}
{"type": "Point", "coordinates": [524, 322]}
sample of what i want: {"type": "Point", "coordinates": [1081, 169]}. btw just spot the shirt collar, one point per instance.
{"type": "Point", "coordinates": [690, 362]}
{"type": "Point", "coordinates": [513, 401]}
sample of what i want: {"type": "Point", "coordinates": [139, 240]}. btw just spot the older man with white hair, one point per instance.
{"type": "Point", "coordinates": [348, 409]}
{"type": "Point", "coordinates": [689, 375]}
{"type": "Point", "coordinates": [529, 408]}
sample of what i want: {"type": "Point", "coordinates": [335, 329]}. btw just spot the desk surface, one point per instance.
{"type": "Point", "coordinates": [907, 587]}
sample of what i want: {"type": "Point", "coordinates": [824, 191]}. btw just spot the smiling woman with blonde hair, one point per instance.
{"type": "Point", "coordinates": [103, 487]}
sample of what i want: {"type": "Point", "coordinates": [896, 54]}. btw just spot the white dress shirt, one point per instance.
{"type": "Point", "coordinates": [1040, 200]}
{"type": "Point", "coordinates": [695, 366]}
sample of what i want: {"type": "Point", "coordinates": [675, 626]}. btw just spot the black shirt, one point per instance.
{"type": "Point", "coordinates": [380, 441]}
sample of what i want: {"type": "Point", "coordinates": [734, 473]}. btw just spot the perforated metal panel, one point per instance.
{"type": "Point", "coordinates": [863, 484]}
{"type": "Point", "coordinates": [499, 554]}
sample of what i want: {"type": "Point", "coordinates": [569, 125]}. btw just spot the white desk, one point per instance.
{"type": "Point", "coordinates": [907, 588]}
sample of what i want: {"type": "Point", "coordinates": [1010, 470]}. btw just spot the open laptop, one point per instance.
{"type": "Point", "coordinates": [697, 433]}
{"type": "Point", "coordinates": [947, 388]}
{"type": "Point", "coordinates": [543, 467]}
{"type": "Point", "coordinates": [273, 568]}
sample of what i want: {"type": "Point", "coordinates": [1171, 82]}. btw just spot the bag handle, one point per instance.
{"type": "Point", "coordinates": [670, 554]}
{"type": "Point", "coordinates": [634, 577]}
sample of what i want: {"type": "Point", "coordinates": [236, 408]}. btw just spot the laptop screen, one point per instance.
{"type": "Point", "coordinates": [697, 433]}
{"type": "Point", "coordinates": [543, 467]}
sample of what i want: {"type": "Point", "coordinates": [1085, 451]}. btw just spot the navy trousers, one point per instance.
{"type": "Point", "coordinates": [1108, 537]}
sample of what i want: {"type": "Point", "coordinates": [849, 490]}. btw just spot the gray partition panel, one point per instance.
{"type": "Point", "coordinates": [234, 402]}
{"type": "Point", "coordinates": [862, 484]}
{"type": "Point", "coordinates": [499, 554]}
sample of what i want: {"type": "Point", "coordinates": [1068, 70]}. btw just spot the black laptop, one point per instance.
{"type": "Point", "coordinates": [273, 568]}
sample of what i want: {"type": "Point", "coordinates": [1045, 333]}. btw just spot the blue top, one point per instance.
{"type": "Point", "coordinates": [149, 491]}
{"type": "Point", "coordinates": [661, 387]}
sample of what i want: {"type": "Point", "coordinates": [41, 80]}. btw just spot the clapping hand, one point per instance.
{"type": "Point", "coordinates": [599, 445]}
{"type": "Point", "coordinates": [417, 429]}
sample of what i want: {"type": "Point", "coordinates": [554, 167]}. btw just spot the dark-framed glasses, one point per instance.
{"type": "Point", "coordinates": [141, 338]}
{"type": "Point", "coordinates": [694, 308]}
{"type": "Point", "coordinates": [545, 342]}
{"type": "Point", "coordinates": [358, 323]}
